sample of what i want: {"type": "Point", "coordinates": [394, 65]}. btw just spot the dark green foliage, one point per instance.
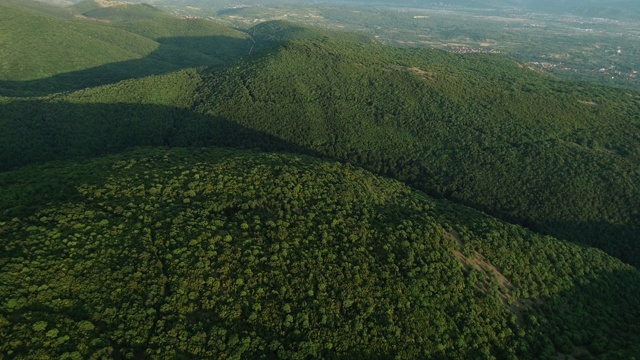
{"type": "Point", "coordinates": [273, 33]}
{"type": "Point", "coordinates": [218, 253]}
{"type": "Point", "coordinates": [483, 130]}
{"type": "Point", "coordinates": [479, 129]}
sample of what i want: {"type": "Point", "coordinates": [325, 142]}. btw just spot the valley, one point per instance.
{"type": "Point", "coordinates": [571, 47]}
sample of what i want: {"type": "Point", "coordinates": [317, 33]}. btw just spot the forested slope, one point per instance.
{"type": "Point", "coordinates": [69, 45]}
{"type": "Point", "coordinates": [219, 253]}
{"type": "Point", "coordinates": [479, 129]}
{"type": "Point", "coordinates": [483, 130]}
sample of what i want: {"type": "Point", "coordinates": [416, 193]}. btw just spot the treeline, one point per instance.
{"type": "Point", "coordinates": [219, 253]}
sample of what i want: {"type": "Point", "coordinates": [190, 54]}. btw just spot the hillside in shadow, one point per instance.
{"type": "Point", "coordinates": [33, 131]}
{"type": "Point", "coordinates": [173, 54]}
{"type": "Point", "coordinates": [597, 318]}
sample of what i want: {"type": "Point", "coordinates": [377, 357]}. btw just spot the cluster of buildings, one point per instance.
{"type": "Point", "coordinates": [550, 66]}
{"type": "Point", "coordinates": [470, 50]}
{"type": "Point", "coordinates": [611, 71]}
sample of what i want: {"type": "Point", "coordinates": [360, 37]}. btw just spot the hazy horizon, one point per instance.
{"type": "Point", "coordinates": [615, 9]}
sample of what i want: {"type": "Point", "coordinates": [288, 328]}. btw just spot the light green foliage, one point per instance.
{"type": "Point", "coordinates": [287, 256]}
{"type": "Point", "coordinates": [40, 326]}
{"type": "Point", "coordinates": [78, 53]}
{"type": "Point", "coordinates": [69, 45]}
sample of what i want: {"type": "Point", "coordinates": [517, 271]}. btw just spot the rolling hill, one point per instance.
{"type": "Point", "coordinates": [69, 46]}
{"type": "Point", "coordinates": [221, 253]}
{"type": "Point", "coordinates": [40, 8]}
{"type": "Point", "coordinates": [85, 52]}
{"type": "Point", "coordinates": [194, 191]}
{"type": "Point", "coordinates": [482, 130]}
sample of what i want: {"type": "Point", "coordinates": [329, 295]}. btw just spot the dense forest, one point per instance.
{"type": "Point", "coordinates": [196, 191]}
{"type": "Point", "coordinates": [479, 129]}
{"type": "Point", "coordinates": [220, 253]}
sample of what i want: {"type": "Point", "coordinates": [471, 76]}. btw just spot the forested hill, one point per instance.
{"type": "Point", "coordinates": [211, 253]}
{"type": "Point", "coordinates": [126, 231]}
{"type": "Point", "coordinates": [483, 130]}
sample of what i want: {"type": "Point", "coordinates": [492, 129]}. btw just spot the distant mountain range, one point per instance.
{"type": "Point", "coordinates": [616, 9]}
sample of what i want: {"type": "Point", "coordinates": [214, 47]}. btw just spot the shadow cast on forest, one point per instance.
{"type": "Point", "coordinates": [40, 132]}
{"type": "Point", "coordinates": [37, 131]}
{"type": "Point", "coordinates": [597, 315]}
{"type": "Point", "coordinates": [619, 240]}
{"type": "Point", "coordinates": [173, 54]}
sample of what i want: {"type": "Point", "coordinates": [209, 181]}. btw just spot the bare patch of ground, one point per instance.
{"type": "Point", "coordinates": [534, 69]}
{"type": "Point", "coordinates": [479, 263]}
{"type": "Point", "coordinates": [109, 3]}
{"type": "Point", "coordinates": [416, 70]}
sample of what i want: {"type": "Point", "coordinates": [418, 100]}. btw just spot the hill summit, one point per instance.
{"type": "Point", "coordinates": [219, 253]}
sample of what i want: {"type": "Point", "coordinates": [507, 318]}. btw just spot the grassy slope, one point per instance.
{"type": "Point", "coordinates": [221, 253]}
{"type": "Point", "coordinates": [138, 40]}
{"type": "Point", "coordinates": [68, 46]}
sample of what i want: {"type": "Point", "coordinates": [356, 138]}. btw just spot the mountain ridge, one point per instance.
{"type": "Point", "coordinates": [421, 116]}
